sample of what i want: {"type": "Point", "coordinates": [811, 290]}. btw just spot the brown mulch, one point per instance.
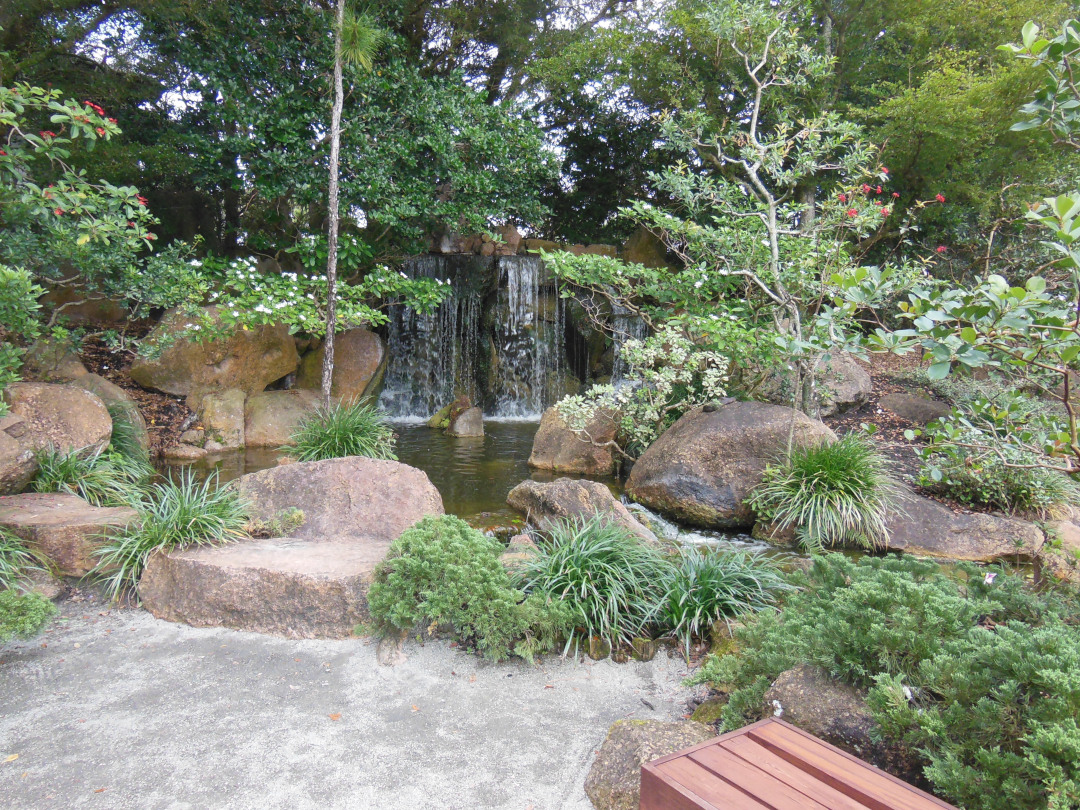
{"type": "Point", "coordinates": [165, 415]}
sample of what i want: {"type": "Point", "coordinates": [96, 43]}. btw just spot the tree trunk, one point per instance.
{"type": "Point", "coordinates": [333, 212]}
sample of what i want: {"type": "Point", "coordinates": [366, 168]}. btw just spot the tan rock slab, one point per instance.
{"type": "Point", "coordinates": [558, 448]}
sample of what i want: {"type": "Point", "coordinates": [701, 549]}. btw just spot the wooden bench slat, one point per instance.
{"type": "Point", "coordinates": [868, 786]}
{"type": "Point", "coordinates": [705, 784]}
{"type": "Point", "coordinates": [762, 785]}
{"type": "Point", "coordinates": [779, 768]}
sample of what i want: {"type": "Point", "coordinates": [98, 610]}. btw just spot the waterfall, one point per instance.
{"type": "Point", "coordinates": [498, 339]}
{"type": "Point", "coordinates": [529, 340]}
{"type": "Point", "coordinates": [433, 358]}
{"type": "Point", "coordinates": [625, 326]}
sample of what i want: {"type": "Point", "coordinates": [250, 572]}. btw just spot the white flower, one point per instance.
{"type": "Point", "coordinates": [263, 308]}
{"type": "Point", "coordinates": [235, 314]}
{"type": "Point", "coordinates": [697, 284]}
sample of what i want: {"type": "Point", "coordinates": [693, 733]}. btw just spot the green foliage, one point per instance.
{"type": "Point", "coordinates": [976, 670]}
{"type": "Point", "coordinates": [105, 478]}
{"type": "Point", "coordinates": [345, 429]}
{"type": "Point", "coordinates": [707, 585]}
{"type": "Point", "coordinates": [16, 559]}
{"type": "Point", "coordinates": [23, 615]}
{"type": "Point", "coordinates": [173, 514]}
{"type": "Point", "coordinates": [443, 572]}
{"type": "Point", "coordinates": [126, 434]}
{"type": "Point", "coordinates": [612, 581]}
{"type": "Point", "coordinates": [830, 494]}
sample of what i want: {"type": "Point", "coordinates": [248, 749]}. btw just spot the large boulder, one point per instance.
{"type": "Point", "coordinates": [806, 696]}
{"type": "Point", "coordinates": [926, 528]}
{"type": "Point", "coordinates": [312, 584]}
{"type": "Point", "coordinates": [116, 398]}
{"type": "Point", "coordinates": [842, 383]}
{"type": "Point", "coordinates": [701, 469]}
{"type": "Point", "coordinates": [63, 527]}
{"type": "Point", "coordinates": [644, 248]}
{"type": "Point", "coordinates": [222, 416]}
{"type": "Point", "coordinates": [467, 424]}
{"type": "Point", "coordinates": [248, 359]}
{"type": "Point", "coordinates": [1061, 555]}
{"type": "Point", "coordinates": [52, 361]}
{"type": "Point", "coordinates": [548, 503]}
{"type": "Point", "coordinates": [271, 417]}
{"type": "Point", "coordinates": [614, 780]}
{"type": "Point", "coordinates": [18, 461]}
{"type": "Point", "coordinates": [359, 366]}
{"type": "Point", "coordinates": [60, 416]}
{"type": "Point", "coordinates": [558, 448]}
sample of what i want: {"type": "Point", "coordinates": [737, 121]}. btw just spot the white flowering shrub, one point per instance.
{"type": "Point", "coordinates": [668, 374]}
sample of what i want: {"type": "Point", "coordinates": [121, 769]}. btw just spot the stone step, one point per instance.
{"type": "Point", "coordinates": [286, 586]}
{"type": "Point", "coordinates": [63, 527]}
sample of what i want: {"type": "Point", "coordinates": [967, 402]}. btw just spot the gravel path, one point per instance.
{"type": "Point", "coordinates": [115, 709]}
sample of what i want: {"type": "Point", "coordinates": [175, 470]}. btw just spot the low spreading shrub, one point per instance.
{"type": "Point", "coordinates": [106, 478]}
{"type": "Point", "coordinates": [974, 670]}
{"type": "Point", "coordinates": [443, 573]}
{"type": "Point", "coordinates": [172, 514]}
{"type": "Point", "coordinates": [23, 615]}
{"type": "Point", "coordinates": [707, 585]}
{"type": "Point", "coordinates": [16, 559]}
{"type": "Point", "coordinates": [830, 495]}
{"type": "Point", "coordinates": [346, 429]}
{"type": "Point", "coordinates": [612, 581]}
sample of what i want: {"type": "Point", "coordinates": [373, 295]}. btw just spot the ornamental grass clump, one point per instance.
{"type": "Point", "coordinates": [345, 429]}
{"type": "Point", "coordinates": [105, 478]}
{"type": "Point", "coordinates": [174, 514]}
{"type": "Point", "coordinates": [16, 560]}
{"type": "Point", "coordinates": [835, 494]}
{"type": "Point", "coordinates": [444, 574]}
{"type": "Point", "coordinates": [708, 584]}
{"type": "Point", "coordinates": [612, 582]}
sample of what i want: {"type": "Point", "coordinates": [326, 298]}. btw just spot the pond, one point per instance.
{"type": "Point", "coordinates": [474, 476]}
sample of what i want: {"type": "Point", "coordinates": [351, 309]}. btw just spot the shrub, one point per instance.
{"type": "Point", "coordinates": [831, 495]}
{"type": "Point", "coordinates": [106, 478]}
{"type": "Point", "coordinates": [976, 671]}
{"type": "Point", "coordinates": [708, 585]}
{"type": "Point", "coordinates": [172, 515]}
{"type": "Point", "coordinates": [23, 615]}
{"type": "Point", "coordinates": [611, 581]}
{"type": "Point", "coordinates": [15, 559]}
{"type": "Point", "coordinates": [443, 572]}
{"type": "Point", "coordinates": [343, 430]}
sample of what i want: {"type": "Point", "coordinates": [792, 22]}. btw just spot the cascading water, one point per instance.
{"type": "Point", "coordinates": [626, 326]}
{"type": "Point", "coordinates": [498, 340]}
{"type": "Point", "coordinates": [529, 341]}
{"type": "Point", "coordinates": [433, 358]}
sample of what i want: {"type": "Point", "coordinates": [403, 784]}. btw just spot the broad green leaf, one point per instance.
{"type": "Point", "coordinates": [939, 371]}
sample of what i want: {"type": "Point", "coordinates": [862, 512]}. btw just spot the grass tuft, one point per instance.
{"type": "Point", "coordinates": [106, 478]}
{"type": "Point", "coordinates": [346, 429]}
{"type": "Point", "coordinates": [16, 559]}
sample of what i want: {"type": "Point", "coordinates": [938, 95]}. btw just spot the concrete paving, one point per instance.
{"type": "Point", "coordinates": [116, 709]}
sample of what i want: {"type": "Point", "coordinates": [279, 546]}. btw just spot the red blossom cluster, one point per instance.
{"type": "Point", "coordinates": [941, 249]}
{"type": "Point", "coordinates": [142, 200]}
{"type": "Point", "coordinates": [940, 198]}
{"type": "Point", "coordinates": [95, 108]}
{"type": "Point", "coordinates": [45, 133]}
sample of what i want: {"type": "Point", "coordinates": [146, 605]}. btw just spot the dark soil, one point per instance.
{"type": "Point", "coordinates": [166, 416]}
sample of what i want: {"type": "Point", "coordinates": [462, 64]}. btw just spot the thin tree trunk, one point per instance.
{"type": "Point", "coordinates": [333, 213]}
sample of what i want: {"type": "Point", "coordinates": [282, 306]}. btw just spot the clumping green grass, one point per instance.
{"type": "Point", "coordinates": [23, 615]}
{"type": "Point", "coordinates": [711, 584]}
{"type": "Point", "coordinates": [172, 515]}
{"type": "Point", "coordinates": [16, 559]}
{"type": "Point", "coordinates": [830, 495]}
{"type": "Point", "coordinates": [611, 580]}
{"type": "Point", "coordinates": [106, 478]}
{"type": "Point", "coordinates": [125, 434]}
{"type": "Point", "coordinates": [346, 429]}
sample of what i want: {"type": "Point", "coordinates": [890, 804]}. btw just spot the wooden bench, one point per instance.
{"type": "Point", "coordinates": [772, 765]}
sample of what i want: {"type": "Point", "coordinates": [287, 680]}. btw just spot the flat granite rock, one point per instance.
{"type": "Point", "coordinates": [312, 584]}
{"type": "Point", "coordinates": [63, 527]}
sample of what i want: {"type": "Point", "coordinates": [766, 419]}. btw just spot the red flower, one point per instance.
{"type": "Point", "coordinates": [150, 236]}
{"type": "Point", "coordinates": [112, 120]}
{"type": "Point", "coordinates": [131, 224]}
{"type": "Point", "coordinates": [141, 199]}
{"type": "Point", "coordinates": [879, 189]}
{"type": "Point", "coordinates": [865, 188]}
{"type": "Point", "coordinates": [3, 153]}
{"type": "Point", "coordinates": [878, 203]}
{"type": "Point", "coordinates": [58, 211]}
{"type": "Point", "coordinates": [884, 170]}
{"type": "Point", "coordinates": [896, 195]}
{"type": "Point", "coordinates": [101, 131]}
{"type": "Point", "coordinates": [94, 107]}
{"type": "Point", "coordinates": [941, 249]}
{"type": "Point", "coordinates": [886, 211]}
{"type": "Point", "coordinates": [940, 198]}
{"type": "Point", "coordinates": [47, 134]}
{"type": "Point", "coordinates": [842, 197]}
{"type": "Point", "coordinates": [851, 212]}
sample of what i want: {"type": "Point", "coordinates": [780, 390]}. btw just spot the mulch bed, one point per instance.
{"type": "Point", "coordinates": [166, 416]}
